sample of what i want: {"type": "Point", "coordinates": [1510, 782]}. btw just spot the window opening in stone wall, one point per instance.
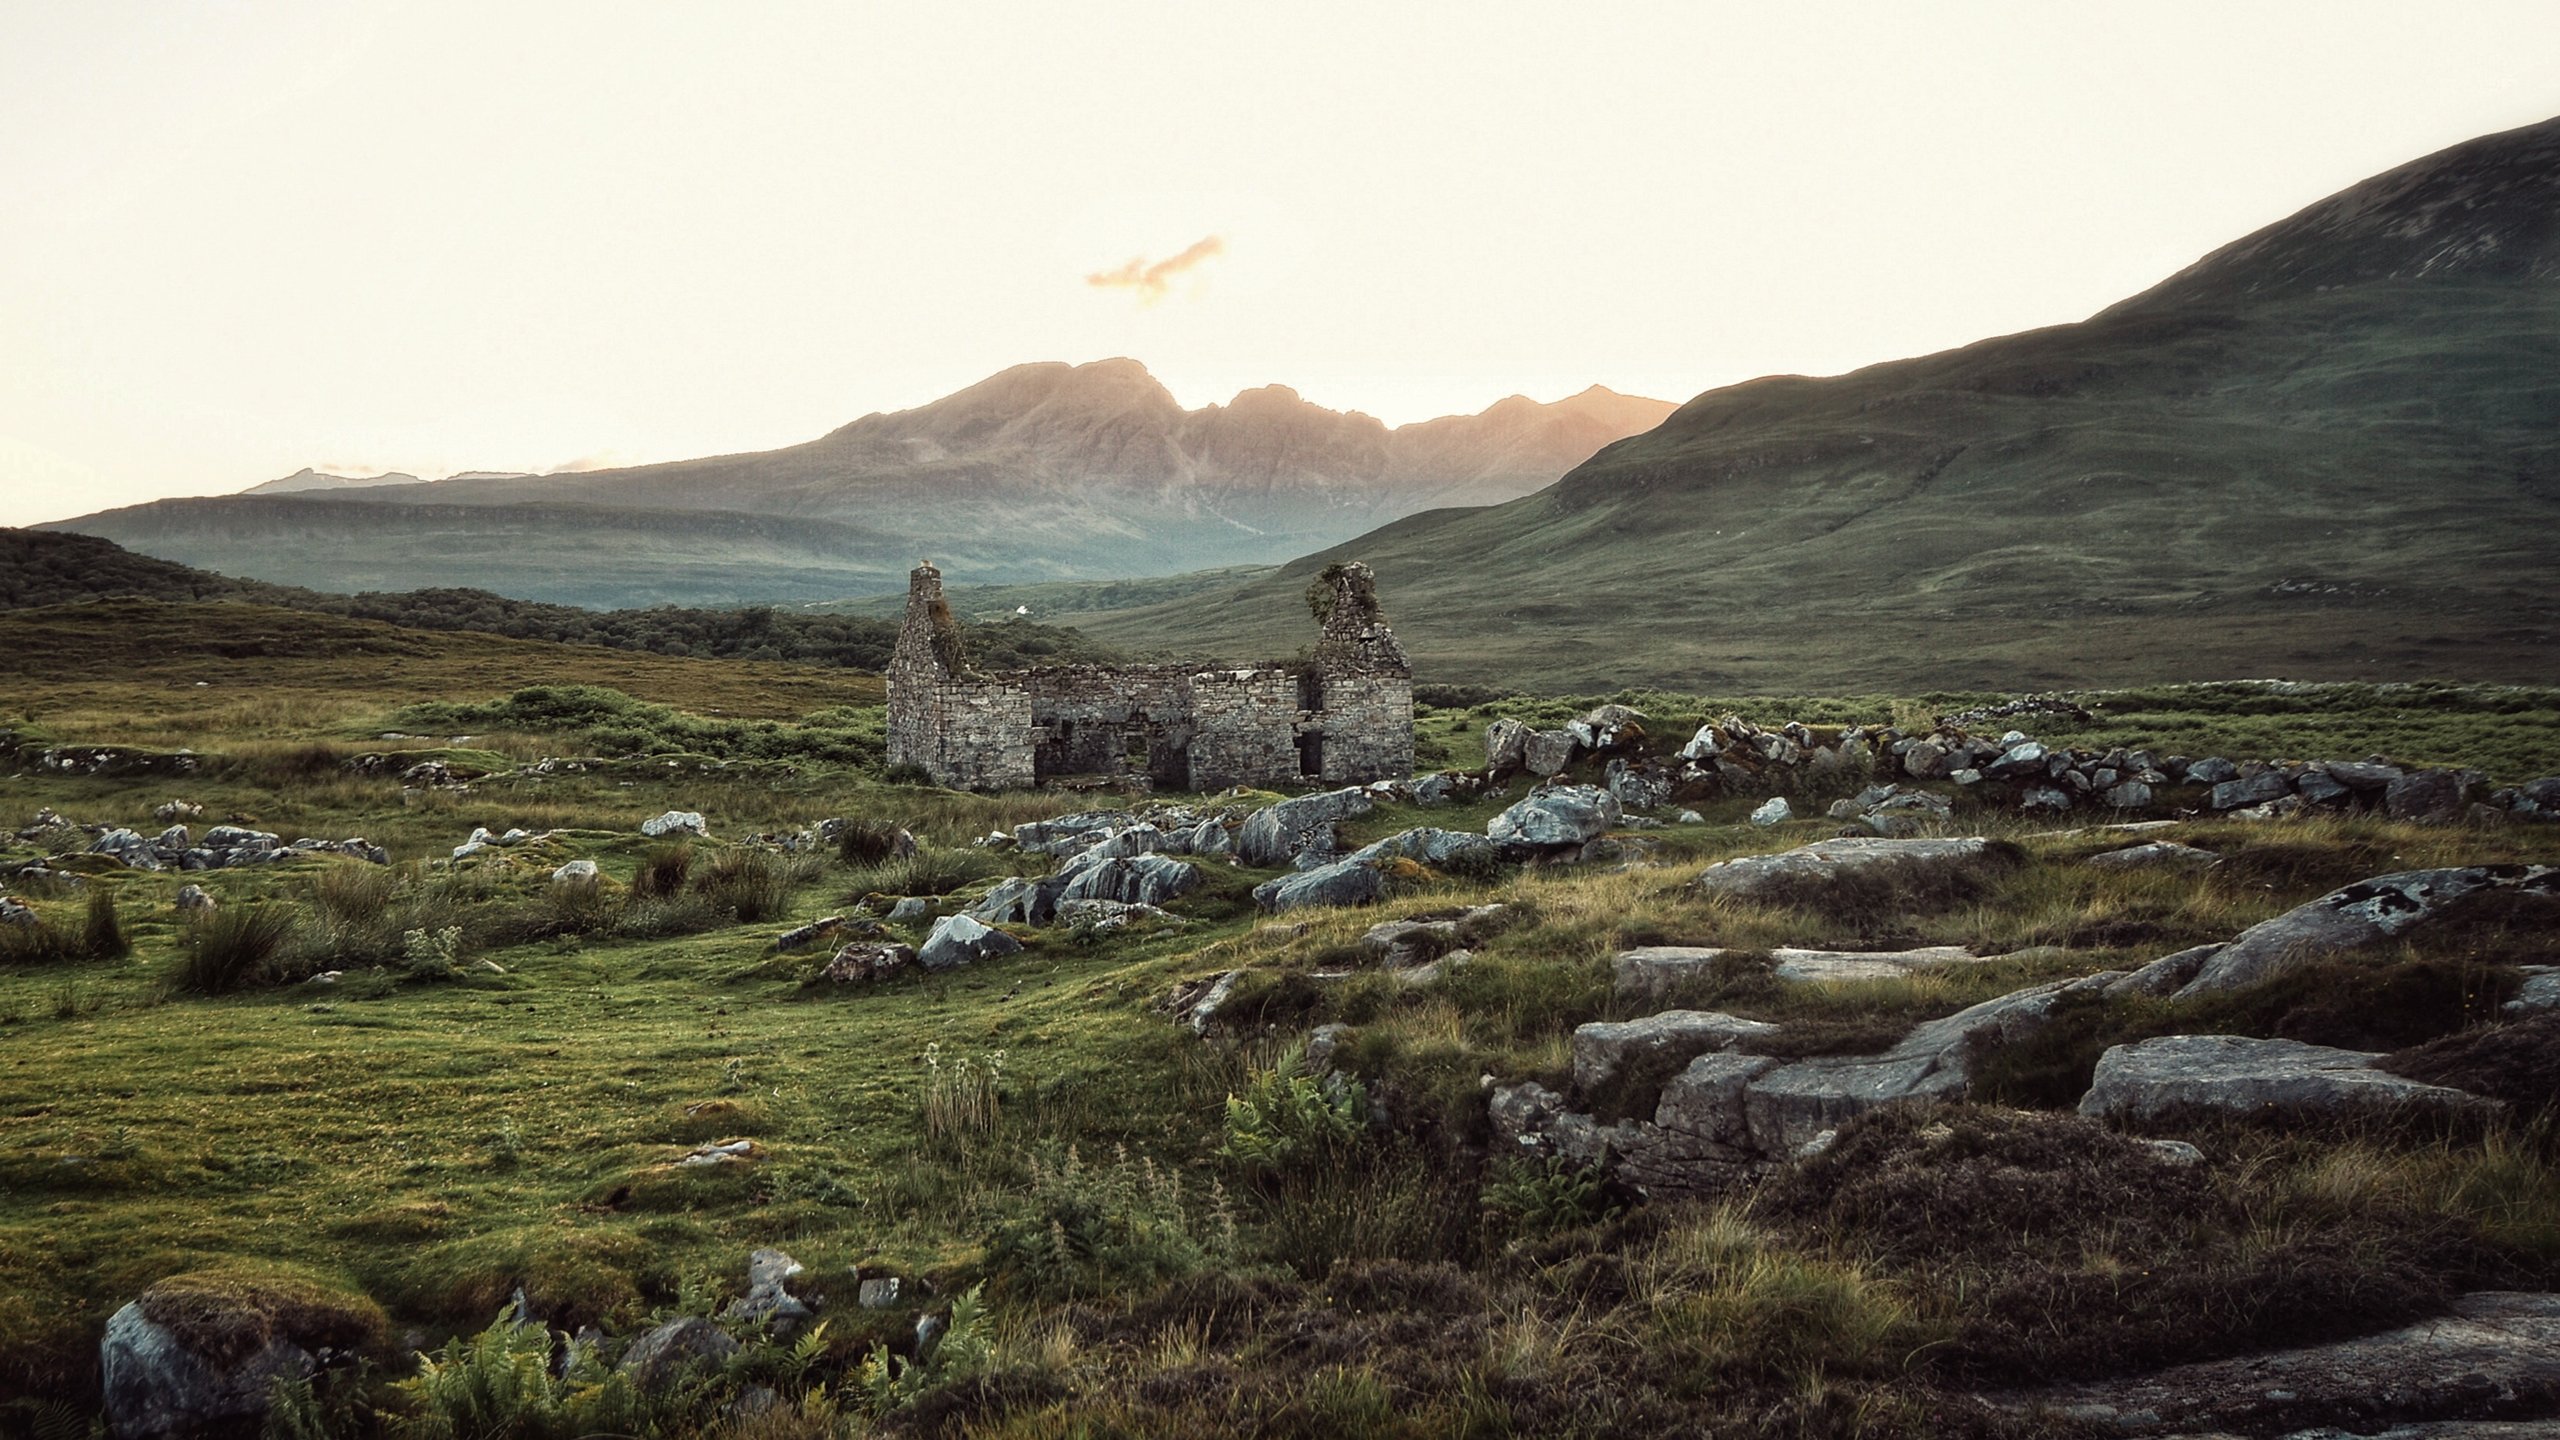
{"type": "Point", "coordinates": [1310, 689]}
{"type": "Point", "coordinates": [1311, 756]}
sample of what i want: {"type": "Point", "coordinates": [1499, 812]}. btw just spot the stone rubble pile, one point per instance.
{"type": "Point", "coordinates": [223, 847]}
{"type": "Point", "coordinates": [1733, 756]}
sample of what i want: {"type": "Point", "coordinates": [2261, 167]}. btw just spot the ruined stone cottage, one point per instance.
{"type": "Point", "coordinates": [1344, 717]}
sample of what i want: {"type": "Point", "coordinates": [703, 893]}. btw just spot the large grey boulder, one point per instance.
{"type": "Point", "coordinates": [2253, 1077]}
{"type": "Point", "coordinates": [672, 822]}
{"type": "Point", "coordinates": [2426, 797]}
{"type": "Point", "coordinates": [1506, 746]}
{"type": "Point", "coordinates": [154, 1386]}
{"type": "Point", "coordinates": [2250, 790]}
{"type": "Point", "coordinates": [960, 940]}
{"type": "Point", "coordinates": [1826, 860]}
{"type": "Point", "coordinates": [1275, 834]}
{"type": "Point", "coordinates": [1020, 900]}
{"type": "Point", "coordinates": [1133, 880]}
{"type": "Point", "coordinates": [1605, 1049]}
{"type": "Point", "coordinates": [1567, 815]}
{"type": "Point", "coordinates": [1139, 839]}
{"type": "Point", "coordinates": [2493, 1352]}
{"type": "Point", "coordinates": [1066, 834]}
{"type": "Point", "coordinates": [1428, 845]}
{"type": "Point", "coordinates": [665, 1354]}
{"type": "Point", "coordinates": [1343, 883]}
{"type": "Point", "coordinates": [2357, 915]}
{"type": "Point", "coordinates": [1548, 752]}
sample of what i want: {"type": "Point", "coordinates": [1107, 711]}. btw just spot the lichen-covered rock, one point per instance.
{"type": "Point", "coordinates": [1569, 815]}
{"type": "Point", "coordinates": [2253, 1077]}
{"type": "Point", "coordinates": [1604, 1049]}
{"type": "Point", "coordinates": [1506, 746]}
{"type": "Point", "coordinates": [865, 961]}
{"type": "Point", "coordinates": [1276, 834]}
{"type": "Point", "coordinates": [663, 1355]}
{"type": "Point", "coordinates": [959, 940]}
{"type": "Point", "coordinates": [1134, 880]}
{"type": "Point", "coordinates": [1824, 859]}
{"type": "Point", "coordinates": [200, 1354]}
{"type": "Point", "coordinates": [2156, 853]}
{"type": "Point", "coordinates": [1548, 753]}
{"type": "Point", "coordinates": [1430, 846]}
{"type": "Point", "coordinates": [674, 822]}
{"type": "Point", "coordinates": [768, 1302]}
{"type": "Point", "coordinates": [2357, 915]}
{"type": "Point", "coordinates": [1343, 883]}
{"type": "Point", "coordinates": [2426, 797]}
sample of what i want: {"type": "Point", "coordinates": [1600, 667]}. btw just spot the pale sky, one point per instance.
{"type": "Point", "coordinates": [237, 238]}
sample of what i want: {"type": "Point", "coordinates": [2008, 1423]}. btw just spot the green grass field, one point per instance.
{"type": "Point", "coordinates": [435, 1137]}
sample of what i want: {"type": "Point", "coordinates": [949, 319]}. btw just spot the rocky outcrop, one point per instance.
{"type": "Point", "coordinates": [2358, 915]}
{"type": "Point", "coordinates": [1278, 834]}
{"type": "Point", "coordinates": [1650, 972]}
{"type": "Point", "coordinates": [2253, 1077]}
{"type": "Point", "coordinates": [1556, 820]}
{"type": "Point", "coordinates": [960, 940]}
{"type": "Point", "coordinates": [1343, 883]}
{"type": "Point", "coordinates": [1605, 1049]}
{"type": "Point", "coordinates": [1150, 880]}
{"type": "Point", "coordinates": [1827, 861]}
{"type": "Point", "coordinates": [223, 847]}
{"type": "Point", "coordinates": [2494, 1354]}
{"type": "Point", "coordinates": [2156, 854]}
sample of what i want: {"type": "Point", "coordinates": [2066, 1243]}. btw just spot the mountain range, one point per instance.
{"type": "Point", "coordinates": [2330, 449]}
{"type": "Point", "coordinates": [1041, 472]}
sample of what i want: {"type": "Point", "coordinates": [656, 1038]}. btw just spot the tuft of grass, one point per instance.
{"type": "Point", "coordinates": [662, 872]}
{"type": "Point", "coordinates": [102, 934]}
{"type": "Point", "coordinates": [753, 885]}
{"type": "Point", "coordinates": [234, 948]}
{"type": "Point", "coordinates": [866, 842]}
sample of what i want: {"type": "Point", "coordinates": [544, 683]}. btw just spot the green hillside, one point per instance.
{"type": "Point", "coordinates": [2326, 452]}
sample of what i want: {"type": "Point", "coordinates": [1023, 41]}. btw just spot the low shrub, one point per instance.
{"type": "Point", "coordinates": [2518, 1062]}
{"type": "Point", "coordinates": [1099, 1229]}
{"type": "Point", "coordinates": [753, 885]}
{"type": "Point", "coordinates": [35, 942]}
{"type": "Point", "coordinates": [864, 842]}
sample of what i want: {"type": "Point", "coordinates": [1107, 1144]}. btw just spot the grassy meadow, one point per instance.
{"type": "Point", "coordinates": [1126, 1229]}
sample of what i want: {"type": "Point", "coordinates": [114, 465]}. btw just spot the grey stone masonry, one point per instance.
{"type": "Point", "coordinates": [1345, 718]}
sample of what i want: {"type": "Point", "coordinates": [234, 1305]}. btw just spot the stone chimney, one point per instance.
{"type": "Point", "coordinates": [929, 645]}
{"type": "Point", "coordinates": [1356, 640]}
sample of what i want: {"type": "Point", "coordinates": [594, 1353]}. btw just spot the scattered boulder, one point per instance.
{"type": "Point", "coordinates": [1605, 1049]}
{"type": "Point", "coordinates": [1506, 746]}
{"type": "Point", "coordinates": [2252, 1077]}
{"type": "Point", "coordinates": [1277, 834]}
{"type": "Point", "coordinates": [2156, 853]}
{"type": "Point", "coordinates": [959, 940]}
{"type": "Point", "coordinates": [2540, 991]}
{"type": "Point", "coordinates": [663, 1355]}
{"type": "Point", "coordinates": [799, 938]}
{"type": "Point", "coordinates": [1343, 883]}
{"type": "Point", "coordinates": [2357, 915]}
{"type": "Point", "coordinates": [866, 961]}
{"type": "Point", "coordinates": [1773, 811]}
{"type": "Point", "coordinates": [200, 1354]}
{"type": "Point", "coordinates": [767, 1302]}
{"type": "Point", "coordinates": [192, 900]}
{"type": "Point", "coordinates": [1195, 1003]}
{"type": "Point", "coordinates": [1552, 819]}
{"type": "Point", "coordinates": [1103, 917]}
{"type": "Point", "coordinates": [674, 822]}
{"type": "Point", "coordinates": [1020, 900]}
{"type": "Point", "coordinates": [577, 872]}
{"type": "Point", "coordinates": [1828, 860]}
{"type": "Point", "coordinates": [910, 909]}
{"type": "Point", "coordinates": [1149, 880]}
{"type": "Point", "coordinates": [1430, 846]}
{"type": "Point", "coordinates": [2495, 1352]}
{"type": "Point", "coordinates": [1066, 834]}
{"type": "Point", "coordinates": [1549, 753]}
{"type": "Point", "coordinates": [2426, 797]}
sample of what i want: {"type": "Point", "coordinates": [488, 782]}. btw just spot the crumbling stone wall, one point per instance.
{"type": "Point", "coordinates": [1346, 719]}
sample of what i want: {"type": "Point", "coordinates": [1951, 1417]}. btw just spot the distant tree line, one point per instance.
{"type": "Point", "coordinates": [42, 567]}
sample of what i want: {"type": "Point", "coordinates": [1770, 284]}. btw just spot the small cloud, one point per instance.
{"type": "Point", "coordinates": [1153, 278]}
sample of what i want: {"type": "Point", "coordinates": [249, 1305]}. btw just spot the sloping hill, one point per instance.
{"type": "Point", "coordinates": [2329, 450]}
{"type": "Point", "coordinates": [1041, 473]}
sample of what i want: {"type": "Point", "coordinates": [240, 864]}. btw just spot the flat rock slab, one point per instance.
{"type": "Point", "coordinates": [1650, 971]}
{"type": "Point", "coordinates": [1605, 1048]}
{"type": "Point", "coordinates": [2365, 913]}
{"type": "Point", "coordinates": [2496, 1357]}
{"type": "Point", "coordinates": [2160, 853]}
{"type": "Point", "coordinates": [2252, 1077]}
{"type": "Point", "coordinates": [1750, 875]}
